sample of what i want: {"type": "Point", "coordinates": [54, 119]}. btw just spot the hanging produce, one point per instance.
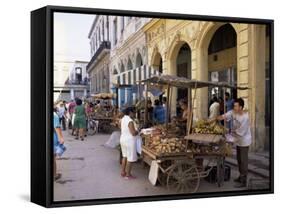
{"type": "Point", "coordinates": [205, 127]}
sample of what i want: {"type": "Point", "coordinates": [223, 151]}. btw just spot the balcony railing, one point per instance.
{"type": "Point", "coordinates": [134, 75]}
{"type": "Point", "coordinates": [104, 45]}
{"type": "Point", "coordinates": [77, 82]}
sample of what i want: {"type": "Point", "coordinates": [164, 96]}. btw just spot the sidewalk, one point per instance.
{"type": "Point", "coordinates": [259, 163]}
{"type": "Point", "coordinates": [92, 171]}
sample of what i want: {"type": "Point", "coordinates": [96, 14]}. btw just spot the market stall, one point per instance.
{"type": "Point", "coordinates": [176, 158]}
{"type": "Point", "coordinates": [104, 112]}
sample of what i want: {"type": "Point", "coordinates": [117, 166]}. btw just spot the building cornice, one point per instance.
{"type": "Point", "coordinates": [93, 26]}
{"type": "Point", "coordinates": [150, 24]}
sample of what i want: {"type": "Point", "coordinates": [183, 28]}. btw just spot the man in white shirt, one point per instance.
{"type": "Point", "coordinates": [214, 108]}
{"type": "Point", "coordinates": [241, 133]}
{"type": "Point", "coordinates": [61, 113]}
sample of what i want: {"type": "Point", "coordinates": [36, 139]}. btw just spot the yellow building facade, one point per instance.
{"type": "Point", "coordinates": [192, 49]}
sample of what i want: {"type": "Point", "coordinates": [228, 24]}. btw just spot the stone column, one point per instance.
{"type": "Point", "coordinates": [85, 92]}
{"type": "Point", "coordinates": [257, 48]}
{"type": "Point", "coordinates": [171, 69]}
{"type": "Point", "coordinates": [200, 72]}
{"type": "Point", "coordinates": [72, 94]}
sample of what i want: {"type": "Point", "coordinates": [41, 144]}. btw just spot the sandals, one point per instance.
{"type": "Point", "coordinates": [130, 177]}
{"type": "Point", "coordinates": [77, 138]}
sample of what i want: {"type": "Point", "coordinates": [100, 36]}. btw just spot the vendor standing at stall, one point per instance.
{"type": "Point", "coordinates": [181, 121]}
{"type": "Point", "coordinates": [241, 133]}
{"type": "Point", "coordinates": [98, 107]}
{"type": "Point", "coordinates": [150, 111]}
{"type": "Point", "coordinates": [159, 113]}
{"type": "Point", "coordinates": [128, 143]}
{"type": "Point", "coordinates": [214, 109]}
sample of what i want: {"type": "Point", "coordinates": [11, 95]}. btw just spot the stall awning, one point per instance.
{"type": "Point", "coordinates": [182, 82]}
{"type": "Point", "coordinates": [104, 96]}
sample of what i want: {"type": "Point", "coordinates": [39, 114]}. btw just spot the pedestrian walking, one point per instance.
{"type": "Point", "coordinates": [62, 114]}
{"type": "Point", "coordinates": [79, 120]}
{"type": "Point", "coordinates": [58, 142]}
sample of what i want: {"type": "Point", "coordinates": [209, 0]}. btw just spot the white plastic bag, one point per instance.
{"type": "Point", "coordinates": [139, 144]}
{"type": "Point", "coordinates": [229, 138]}
{"type": "Point", "coordinates": [72, 121]}
{"type": "Point", "coordinates": [114, 140]}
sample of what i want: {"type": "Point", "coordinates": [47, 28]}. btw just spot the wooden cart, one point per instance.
{"type": "Point", "coordinates": [180, 171]}
{"type": "Point", "coordinates": [104, 124]}
{"type": "Point", "coordinates": [177, 172]}
{"type": "Point", "coordinates": [219, 153]}
{"type": "Point", "coordinates": [103, 121]}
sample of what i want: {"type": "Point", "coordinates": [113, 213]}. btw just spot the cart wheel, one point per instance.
{"type": "Point", "coordinates": [183, 178]}
{"type": "Point", "coordinates": [92, 131]}
{"type": "Point", "coordinates": [92, 128]}
{"type": "Point", "coordinates": [107, 128]}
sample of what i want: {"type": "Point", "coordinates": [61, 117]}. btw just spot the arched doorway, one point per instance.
{"type": "Point", "coordinates": [157, 63]}
{"type": "Point", "coordinates": [122, 68]}
{"type": "Point", "coordinates": [179, 64]}
{"type": "Point", "coordinates": [222, 61]}
{"type": "Point", "coordinates": [115, 73]}
{"type": "Point", "coordinates": [129, 65]}
{"type": "Point", "coordinates": [183, 62]}
{"type": "Point", "coordinates": [123, 75]}
{"type": "Point", "coordinates": [139, 61]}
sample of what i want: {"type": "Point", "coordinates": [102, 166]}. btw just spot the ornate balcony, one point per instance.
{"type": "Point", "coordinates": [103, 48]}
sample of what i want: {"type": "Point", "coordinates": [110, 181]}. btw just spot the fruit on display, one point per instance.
{"type": "Point", "coordinates": [171, 130]}
{"type": "Point", "coordinates": [166, 145]}
{"type": "Point", "coordinates": [205, 127]}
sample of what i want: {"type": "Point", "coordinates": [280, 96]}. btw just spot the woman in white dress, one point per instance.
{"type": "Point", "coordinates": [128, 143]}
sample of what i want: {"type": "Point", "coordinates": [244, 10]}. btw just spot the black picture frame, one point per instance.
{"type": "Point", "coordinates": [42, 98]}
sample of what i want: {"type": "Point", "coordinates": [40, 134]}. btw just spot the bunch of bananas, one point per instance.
{"type": "Point", "coordinates": [205, 127]}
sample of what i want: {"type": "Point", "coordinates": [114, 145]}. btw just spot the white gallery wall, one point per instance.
{"type": "Point", "coordinates": [15, 106]}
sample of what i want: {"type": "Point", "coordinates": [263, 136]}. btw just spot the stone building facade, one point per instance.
{"type": "Point", "coordinates": [128, 56]}
{"type": "Point", "coordinates": [98, 67]}
{"type": "Point", "coordinates": [73, 81]}
{"type": "Point", "coordinates": [128, 49]}
{"type": "Point", "coordinates": [217, 51]}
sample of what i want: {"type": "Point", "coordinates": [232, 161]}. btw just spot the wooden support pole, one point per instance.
{"type": "Point", "coordinates": [145, 105]}
{"type": "Point", "coordinates": [170, 103]}
{"type": "Point", "coordinates": [189, 121]}
{"type": "Point", "coordinates": [224, 107]}
{"type": "Point", "coordinates": [168, 106]}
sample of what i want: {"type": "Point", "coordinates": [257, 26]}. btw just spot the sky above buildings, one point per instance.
{"type": "Point", "coordinates": [71, 36]}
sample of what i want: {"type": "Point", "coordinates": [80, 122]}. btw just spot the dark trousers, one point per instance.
{"type": "Point", "coordinates": [242, 159]}
{"type": "Point", "coordinates": [62, 122]}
